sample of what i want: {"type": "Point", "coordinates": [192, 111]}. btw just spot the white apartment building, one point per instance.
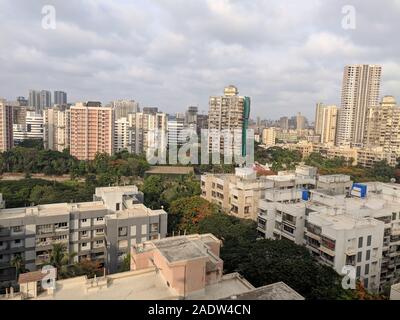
{"type": "Point", "coordinates": [360, 92]}
{"type": "Point", "coordinates": [32, 129]}
{"type": "Point", "coordinates": [101, 230]}
{"type": "Point", "coordinates": [56, 129]}
{"type": "Point", "coordinates": [147, 129]}
{"type": "Point", "coordinates": [343, 224]}
{"type": "Point", "coordinates": [122, 134]}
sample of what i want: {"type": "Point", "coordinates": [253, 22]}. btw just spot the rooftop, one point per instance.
{"type": "Point", "coordinates": [145, 284]}
{"type": "Point", "coordinates": [181, 248]}
{"type": "Point", "coordinates": [170, 170]}
{"type": "Point", "coordinates": [275, 291]}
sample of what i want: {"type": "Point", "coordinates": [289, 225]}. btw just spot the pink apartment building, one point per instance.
{"type": "Point", "coordinates": [91, 131]}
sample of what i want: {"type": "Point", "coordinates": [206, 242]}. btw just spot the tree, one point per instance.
{"type": "Point", "coordinates": [61, 259]}
{"type": "Point", "coordinates": [126, 263]}
{"type": "Point", "coordinates": [382, 171]}
{"type": "Point", "coordinates": [186, 213]}
{"type": "Point", "coordinates": [152, 189]}
{"type": "Point", "coordinates": [86, 267]}
{"type": "Point", "coordinates": [19, 264]}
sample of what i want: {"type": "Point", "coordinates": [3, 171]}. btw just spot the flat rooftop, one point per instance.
{"type": "Point", "coordinates": [54, 209]}
{"type": "Point", "coordinates": [169, 170]}
{"type": "Point", "coordinates": [142, 285]}
{"type": "Point", "coordinates": [275, 291]}
{"type": "Point", "coordinates": [137, 210]}
{"type": "Point", "coordinates": [180, 248]}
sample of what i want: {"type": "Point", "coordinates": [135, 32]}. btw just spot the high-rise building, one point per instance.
{"type": "Point", "coordinates": [326, 122]}
{"type": "Point", "coordinates": [360, 92]}
{"type": "Point", "coordinates": [56, 128]}
{"type": "Point", "coordinates": [228, 112]}
{"type": "Point", "coordinates": [31, 129]}
{"type": "Point", "coordinates": [268, 136]}
{"type": "Point", "coordinates": [19, 115]}
{"type": "Point", "coordinates": [124, 107]}
{"type": "Point", "coordinates": [384, 125]}
{"type": "Point", "coordinates": [300, 121]}
{"type": "Point", "coordinates": [150, 110]}
{"type": "Point", "coordinates": [191, 115]}
{"type": "Point", "coordinates": [22, 102]}
{"type": "Point", "coordinates": [34, 99]}
{"type": "Point", "coordinates": [6, 127]}
{"type": "Point", "coordinates": [175, 128]}
{"type": "Point", "coordinates": [92, 129]}
{"type": "Point", "coordinates": [284, 123]}
{"type": "Point", "coordinates": [45, 100]}
{"type": "Point", "coordinates": [122, 133]}
{"type": "Point", "coordinates": [60, 97]}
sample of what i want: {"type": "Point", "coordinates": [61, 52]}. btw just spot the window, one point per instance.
{"type": "Point", "coordinates": [359, 256]}
{"type": "Point", "coordinates": [117, 206]}
{"type": "Point", "coordinates": [99, 241]}
{"type": "Point", "coordinates": [366, 283]}
{"type": "Point", "coordinates": [360, 242]}
{"type": "Point", "coordinates": [122, 231]}
{"type": "Point", "coordinates": [133, 230]}
{"type": "Point", "coordinates": [83, 220]}
{"type": "Point", "coordinates": [99, 219]}
{"type": "Point", "coordinates": [394, 216]}
{"type": "Point", "coordinates": [99, 230]}
{"type": "Point", "coordinates": [60, 224]}
{"type": "Point", "coordinates": [84, 244]}
{"type": "Point", "coordinates": [18, 241]}
{"type": "Point", "coordinates": [369, 240]}
{"type": "Point", "coordinates": [17, 229]}
{"type": "Point", "coordinates": [1, 243]}
{"type": "Point", "coordinates": [368, 255]}
{"type": "Point", "coordinates": [358, 272]}
{"type": "Point", "coordinates": [144, 228]}
{"type": "Point", "coordinates": [366, 269]}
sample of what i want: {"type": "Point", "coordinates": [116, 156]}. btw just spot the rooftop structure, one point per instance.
{"type": "Point", "coordinates": [184, 267]}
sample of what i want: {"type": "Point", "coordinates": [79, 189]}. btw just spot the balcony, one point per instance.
{"type": "Point", "coordinates": [62, 229]}
{"type": "Point", "coordinates": [42, 259]}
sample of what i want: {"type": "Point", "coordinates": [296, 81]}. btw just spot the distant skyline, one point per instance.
{"type": "Point", "coordinates": [286, 55]}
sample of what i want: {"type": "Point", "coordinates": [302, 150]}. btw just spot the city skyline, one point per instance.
{"type": "Point", "coordinates": [152, 55]}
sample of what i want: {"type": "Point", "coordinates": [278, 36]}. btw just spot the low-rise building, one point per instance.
{"type": "Point", "coordinates": [101, 230]}
{"type": "Point", "coordinates": [343, 224]}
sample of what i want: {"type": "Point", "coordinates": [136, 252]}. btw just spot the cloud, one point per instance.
{"type": "Point", "coordinates": [286, 55]}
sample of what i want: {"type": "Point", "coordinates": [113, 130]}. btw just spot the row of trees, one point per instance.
{"type": "Point", "coordinates": [381, 171]}
{"type": "Point", "coordinates": [37, 160]}
{"type": "Point", "coordinates": [281, 159]}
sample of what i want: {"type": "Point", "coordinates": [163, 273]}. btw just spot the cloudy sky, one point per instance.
{"type": "Point", "coordinates": [285, 54]}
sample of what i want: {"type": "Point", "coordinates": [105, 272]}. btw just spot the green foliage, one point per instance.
{"type": "Point", "coordinates": [381, 171]}
{"type": "Point", "coordinates": [186, 213]}
{"type": "Point", "coordinates": [162, 191]}
{"type": "Point", "coordinates": [317, 160]}
{"type": "Point", "coordinates": [281, 159]}
{"type": "Point", "coordinates": [21, 193]}
{"type": "Point", "coordinates": [34, 159]}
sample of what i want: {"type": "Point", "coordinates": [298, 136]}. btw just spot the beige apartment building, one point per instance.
{"type": "Point", "coordinates": [326, 122]}
{"type": "Point", "coordinates": [56, 129]}
{"type": "Point", "coordinates": [91, 130]}
{"type": "Point", "coordinates": [6, 127]}
{"type": "Point", "coordinates": [384, 125]}
{"type": "Point", "coordinates": [268, 136]}
{"type": "Point", "coordinates": [239, 194]}
{"type": "Point", "coordinates": [229, 112]}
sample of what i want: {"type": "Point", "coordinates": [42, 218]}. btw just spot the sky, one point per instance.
{"type": "Point", "coordinates": [286, 55]}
